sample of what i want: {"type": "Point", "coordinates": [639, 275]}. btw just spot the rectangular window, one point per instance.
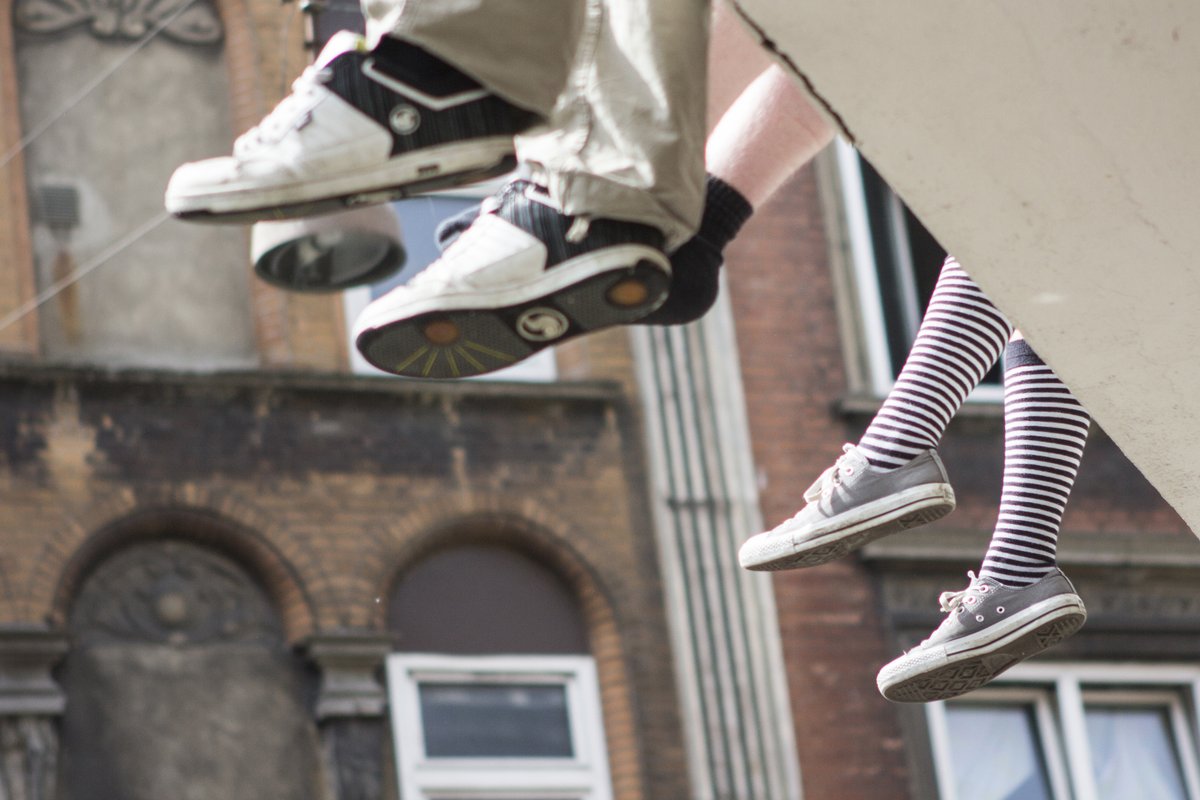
{"type": "Point", "coordinates": [894, 263]}
{"type": "Point", "coordinates": [497, 727]}
{"type": "Point", "coordinates": [493, 720]}
{"type": "Point", "coordinates": [1071, 732]}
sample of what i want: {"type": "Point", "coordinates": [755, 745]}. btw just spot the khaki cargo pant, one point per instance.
{"type": "Point", "coordinates": [623, 84]}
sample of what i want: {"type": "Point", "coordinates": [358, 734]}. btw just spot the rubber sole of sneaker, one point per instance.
{"type": "Point", "coordinates": [474, 335]}
{"type": "Point", "coordinates": [974, 661]}
{"type": "Point", "coordinates": [431, 170]}
{"type": "Point", "coordinates": [911, 508]}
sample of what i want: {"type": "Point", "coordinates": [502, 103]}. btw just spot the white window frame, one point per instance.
{"type": "Point", "coordinates": [1059, 693]}
{"type": "Point", "coordinates": [583, 777]}
{"type": "Point", "coordinates": [879, 368]}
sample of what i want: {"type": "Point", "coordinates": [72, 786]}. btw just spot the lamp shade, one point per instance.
{"type": "Point", "coordinates": [330, 252]}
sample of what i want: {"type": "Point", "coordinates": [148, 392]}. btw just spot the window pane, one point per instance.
{"type": "Point", "coordinates": [479, 720]}
{"type": "Point", "coordinates": [1134, 753]}
{"type": "Point", "coordinates": [996, 752]}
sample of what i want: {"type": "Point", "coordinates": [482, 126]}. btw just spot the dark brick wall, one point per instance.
{"type": "Point", "coordinates": [794, 372]}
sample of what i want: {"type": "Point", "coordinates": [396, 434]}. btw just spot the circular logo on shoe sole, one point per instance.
{"type": "Point", "coordinates": [404, 119]}
{"type": "Point", "coordinates": [542, 324]}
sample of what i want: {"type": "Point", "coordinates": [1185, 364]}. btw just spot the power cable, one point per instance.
{"type": "Point", "coordinates": [90, 87]}
{"type": "Point", "coordinates": [97, 261]}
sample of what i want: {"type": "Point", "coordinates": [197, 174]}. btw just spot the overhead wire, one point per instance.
{"type": "Point", "coordinates": [91, 86]}
{"type": "Point", "coordinates": [96, 261]}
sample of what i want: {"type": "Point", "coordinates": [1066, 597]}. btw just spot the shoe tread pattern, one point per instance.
{"type": "Point", "coordinates": [834, 550]}
{"type": "Point", "coordinates": [969, 674]}
{"type": "Point", "coordinates": [488, 339]}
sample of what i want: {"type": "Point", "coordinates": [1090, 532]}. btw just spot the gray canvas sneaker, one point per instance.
{"type": "Point", "coordinates": [853, 503]}
{"type": "Point", "coordinates": [990, 628]}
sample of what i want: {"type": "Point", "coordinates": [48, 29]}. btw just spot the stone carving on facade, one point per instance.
{"type": "Point", "coordinates": [351, 703]}
{"type": "Point", "coordinates": [354, 750]}
{"type": "Point", "coordinates": [172, 593]}
{"type": "Point", "coordinates": [1123, 595]}
{"type": "Point", "coordinates": [28, 758]}
{"type": "Point", "coordinates": [30, 703]}
{"type": "Point", "coordinates": [1159, 601]}
{"type": "Point", "coordinates": [916, 594]}
{"type": "Point", "coordinates": [188, 21]}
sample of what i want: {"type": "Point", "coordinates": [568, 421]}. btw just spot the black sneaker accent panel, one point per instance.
{"type": "Point", "coordinates": [552, 227]}
{"type": "Point", "coordinates": [415, 125]}
{"type": "Point", "coordinates": [407, 63]}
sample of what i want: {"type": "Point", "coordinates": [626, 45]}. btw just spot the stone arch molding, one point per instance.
{"type": "Point", "coordinates": [172, 591]}
{"type": "Point", "coordinates": [243, 537]}
{"type": "Point", "coordinates": [526, 526]}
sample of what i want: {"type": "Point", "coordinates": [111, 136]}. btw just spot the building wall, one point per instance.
{"type": "Point", "coordinates": [842, 621]}
{"type": "Point", "coordinates": [793, 367]}
{"type": "Point", "coordinates": [321, 487]}
{"type": "Point", "coordinates": [326, 488]}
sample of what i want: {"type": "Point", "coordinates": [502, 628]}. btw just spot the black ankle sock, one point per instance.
{"type": "Point", "coordinates": [696, 265]}
{"type": "Point", "coordinates": [725, 212]}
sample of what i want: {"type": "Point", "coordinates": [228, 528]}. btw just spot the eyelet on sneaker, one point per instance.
{"type": "Point", "coordinates": [984, 589]}
{"type": "Point", "coordinates": [999, 609]}
{"type": "Point", "coordinates": [979, 617]}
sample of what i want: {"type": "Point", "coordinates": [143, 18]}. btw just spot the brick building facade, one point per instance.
{"type": "Point", "coordinates": [212, 527]}
{"type": "Point", "coordinates": [800, 342]}
{"type": "Point", "coordinates": [223, 574]}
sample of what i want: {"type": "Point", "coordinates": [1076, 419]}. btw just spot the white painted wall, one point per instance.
{"type": "Point", "coordinates": [1054, 147]}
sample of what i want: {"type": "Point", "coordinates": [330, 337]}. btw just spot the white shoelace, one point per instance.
{"type": "Point", "coordinates": [950, 601]}
{"type": "Point", "coordinates": [830, 478]}
{"type": "Point", "coordinates": [953, 601]}
{"type": "Point", "coordinates": [286, 116]}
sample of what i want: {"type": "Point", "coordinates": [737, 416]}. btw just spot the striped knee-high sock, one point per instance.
{"type": "Point", "coordinates": [1045, 429]}
{"type": "Point", "coordinates": [960, 339]}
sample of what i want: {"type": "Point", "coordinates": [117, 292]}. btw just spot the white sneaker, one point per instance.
{"type": "Point", "coordinates": [522, 277]}
{"type": "Point", "coordinates": [360, 126]}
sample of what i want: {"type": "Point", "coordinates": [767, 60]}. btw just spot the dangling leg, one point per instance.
{"type": "Point", "coordinates": [1020, 603]}
{"type": "Point", "coordinates": [1045, 429]}
{"type": "Point", "coordinates": [765, 130]}
{"type": "Point", "coordinates": [893, 479]}
{"type": "Point", "coordinates": [432, 100]}
{"type": "Point", "coordinates": [960, 339]}
{"type": "Point", "coordinates": [616, 181]}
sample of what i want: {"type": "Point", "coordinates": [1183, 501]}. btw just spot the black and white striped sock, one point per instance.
{"type": "Point", "coordinates": [1045, 429]}
{"type": "Point", "coordinates": [960, 339]}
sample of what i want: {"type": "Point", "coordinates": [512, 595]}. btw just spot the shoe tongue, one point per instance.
{"type": "Point", "coordinates": [341, 42]}
{"type": "Point", "coordinates": [855, 458]}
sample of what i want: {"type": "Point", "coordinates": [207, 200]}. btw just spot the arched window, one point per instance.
{"type": "Point", "coordinates": [493, 690]}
